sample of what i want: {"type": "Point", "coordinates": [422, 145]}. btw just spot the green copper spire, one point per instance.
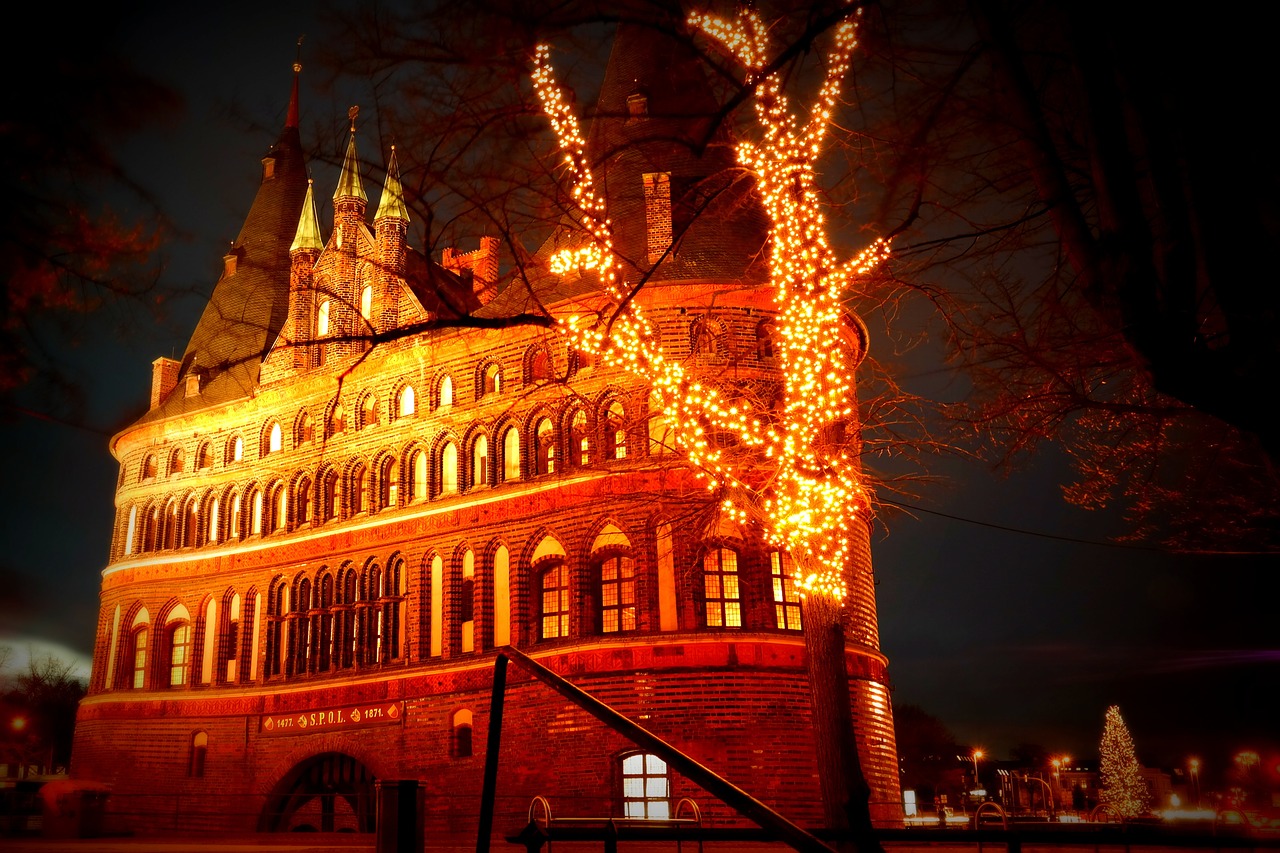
{"type": "Point", "coordinates": [349, 185]}
{"type": "Point", "coordinates": [308, 234]}
{"type": "Point", "coordinates": [392, 205]}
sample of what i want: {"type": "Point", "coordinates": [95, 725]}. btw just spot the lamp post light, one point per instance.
{"type": "Point", "coordinates": [977, 754]}
{"type": "Point", "coordinates": [1058, 764]}
{"type": "Point", "coordinates": [1194, 766]}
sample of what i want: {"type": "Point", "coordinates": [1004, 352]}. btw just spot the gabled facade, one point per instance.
{"type": "Point", "coordinates": [340, 505]}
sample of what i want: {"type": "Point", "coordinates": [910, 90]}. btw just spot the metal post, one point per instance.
{"type": "Point", "coordinates": [492, 747]}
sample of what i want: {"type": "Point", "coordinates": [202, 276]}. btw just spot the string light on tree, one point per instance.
{"type": "Point", "coordinates": [1123, 788]}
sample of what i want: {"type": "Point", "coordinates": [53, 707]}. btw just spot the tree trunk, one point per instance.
{"type": "Point", "coordinates": [846, 797]}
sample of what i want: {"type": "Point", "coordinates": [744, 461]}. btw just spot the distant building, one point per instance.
{"type": "Point", "coordinates": [321, 541]}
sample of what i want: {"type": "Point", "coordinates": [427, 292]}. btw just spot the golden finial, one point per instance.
{"type": "Point", "coordinates": [351, 114]}
{"type": "Point", "coordinates": [297, 63]}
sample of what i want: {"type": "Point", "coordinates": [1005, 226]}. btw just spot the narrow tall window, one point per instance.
{"type": "Point", "coordinates": [274, 439]}
{"type": "Point", "coordinates": [786, 601]}
{"type": "Point", "coordinates": [199, 747]}
{"type": "Point", "coordinates": [461, 734]}
{"type": "Point", "coordinates": [366, 303]}
{"type": "Point", "coordinates": [657, 214]}
{"type": "Point", "coordinates": [553, 606]}
{"type": "Point", "coordinates": [237, 449]}
{"type": "Point", "coordinates": [446, 391]}
{"type": "Point", "coordinates": [480, 462]}
{"type": "Point", "coordinates": [511, 455]}
{"type": "Point", "coordinates": [449, 469]}
{"type": "Point", "coordinates": [615, 432]}
{"type": "Point", "coordinates": [322, 319]}
{"type": "Point", "coordinates": [179, 653]}
{"type": "Point", "coordinates": [720, 588]}
{"type": "Point", "coordinates": [359, 489]}
{"type": "Point", "coordinates": [418, 463]}
{"type": "Point", "coordinates": [408, 402]}
{"type": "Point", "coordinates": [579, 439]}
{"type": "Point", "coordinates": [139, 658]}
{"type": "Point", "coordinates": [492, 380]}
{"type": "Point", "coordinates": [467, 596]}
{"type": "Point", "coordinates": [645, 787]}
{"type": "Point", "coordinates": [617, 595]}
{"type": "Point", "coordinates": [369, 412]}
{"type": "Point", "coordinates": [546, 456]}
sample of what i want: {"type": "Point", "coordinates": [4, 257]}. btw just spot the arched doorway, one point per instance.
{"type": "Point", "coordinates": [330, 792]}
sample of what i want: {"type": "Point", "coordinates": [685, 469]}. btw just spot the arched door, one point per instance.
{"type": "Point", "coordinates": [330, 792]}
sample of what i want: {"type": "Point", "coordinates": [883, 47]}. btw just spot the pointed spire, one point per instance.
{"type": "Point", "coordinates": [392, 205]}
{"type": "Point", "coordinates": [349, 184]}
{"type": "Point", "coordinates": [291, 119]}
{"type": "Point", "coordinates": [308, 235]}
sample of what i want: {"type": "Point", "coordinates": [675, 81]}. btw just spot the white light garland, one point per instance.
{"type": "Point", "coordinates": [811, 494]}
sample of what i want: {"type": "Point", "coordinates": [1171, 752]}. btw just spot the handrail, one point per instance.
{"type": "Point", "coordinates": [546, 809]}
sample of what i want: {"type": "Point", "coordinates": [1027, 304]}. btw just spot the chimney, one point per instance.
{"type": "Point", "coordinates": [164, 376]}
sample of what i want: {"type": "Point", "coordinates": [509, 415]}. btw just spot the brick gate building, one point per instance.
{"type": "Point", "coordinates": [342, 501]}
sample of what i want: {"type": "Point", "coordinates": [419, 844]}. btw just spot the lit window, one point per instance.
{"type": "Point", "coordinates": [720, 588]}
{"type": "Point", "coordinates": [199, 747]}
{"type": "Point", "coordinates": [480, 461]}
{"type": "Point", "coordinates": [645, 787]}
{"type": "Point", "coordinates": [579, 439]}
{"type": "Point", "coordinates": [274, 439]}
{"type": "Point", "coordinates": [279, 509]}
{"type": "Point", "coordinates": [418, 486]}
{"type": "Point", "coordinates": [786, 600]}
{"type": "Point", "coordinates": [255, 513]}
{"type": "Point", "coordinates": [369, 412]}
{"type": "Point", "coordinates": [511, 455]}
{"type": "Point", "coordinates": [617, 595]}
{"type": "Point", "coordinates": [359, 487]}
{"type": "Point", "coordinates": [615, 432]}
{"type": "Point", "coordinates": [462, 734]}
{"type": "Point", "coordinates": [237, 449]}
{"type": "Point", "coordinates": [179, 653]}
{"type": "Point", "coordinates": [467, 601]}
{"type": "Point", "coordinates": [449, 469]}
{"type": "Point", "coordinates": [446, 391]}
{"type": "Point", "coordinates": [322, 319]}
{"type": "Point", "coordinates": [492, 380]}
{"type": "Point", "coordinates": [389, 481]}
{"type": "Point", "coordinates": [366, 303]}
{"type": "Point", "coordinates": [139, 658]}
{"type": "Point", "coordinates": [407, 401]}
{"type": "Point", "coordinates": [306, 429]}
{"type": "Point", "coordinates": [554, 604]}
{"type": "Point", "coordinates": [546, 456]}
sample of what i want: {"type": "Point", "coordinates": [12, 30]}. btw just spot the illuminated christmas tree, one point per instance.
{"type": "Point", "coordinates": [1123, 789]}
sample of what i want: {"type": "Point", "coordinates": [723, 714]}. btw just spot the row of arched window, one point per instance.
{"type": "Point", "coordinates": [336, 620]}
{"type": "Point", "coordinates": [451, 465]}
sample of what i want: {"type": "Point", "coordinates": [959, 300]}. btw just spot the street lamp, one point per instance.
{"type": "Point", "coordinates": [977, 754]}
{"type": "Point", "coordinates": [1194, 765]}
{"type": "Point", "coordinates": [1058, 763]}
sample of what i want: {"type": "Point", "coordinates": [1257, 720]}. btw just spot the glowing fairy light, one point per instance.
{"type": "Point", "coordinates": [811, 493]}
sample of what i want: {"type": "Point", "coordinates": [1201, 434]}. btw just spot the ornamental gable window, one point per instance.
{"type": "Point", "coordinates": [646, 789]}
{"type": "Point", "coordinates": [721, 593]}
{"type": "Point", "coordinates": [553, 601]}
{"type": "Point", "coordinates": [786, 598]}
{"type": "Point", "coordinates": [617, 586]}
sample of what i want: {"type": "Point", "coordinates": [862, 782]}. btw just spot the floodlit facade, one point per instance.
{"type": "Point", "coordinates": [349, 493]}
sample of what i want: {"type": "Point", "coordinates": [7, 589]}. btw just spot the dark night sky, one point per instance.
{"type": "Point", "coordinates": [1002, 611]}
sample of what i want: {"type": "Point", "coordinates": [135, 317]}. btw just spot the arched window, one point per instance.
{"type": "Point", "coordinates": [369, 412]}
{"type": "Point", "coordinates": [138, 643]}
{"type": "Point", "coordinates": [306, 431]}
{"type": "Point", "coordinates": [199, 748]}
{"type": "Point", "coordinates": [322, 318]}
{"type": "Point", "coordinates": [449, 469]}
{"type": "Point", "coordinates": [721, 594]}
{"type": "Point", "coordinates": [764, 341]}
{"type": "Point", "coordinates": [392, 607]}
{"type": "Point", "coordinates": [786, 600]}
{"type": "Point", "coordinates": [546, 453]}
{"type": "Point", "coordinates": [702, 340]}
{"type": "Point", "coordinates": [149, 467]}
{"type": "Point", "coordinates": [359, 489]}
{"type": "Point", "coordinates": [213, 530]}
{"type": "Point", "coordinates": [467, 601]}
{"type": "Point", "coordinates": [191, 524]}
{"type": "Point", "coordinates": [646, 790]}
{"type": "Point", "coordinates": [460, 741]}
{"type": "Point", "coordinates": [302, 501]}
{"type": "Point", "coordinates": [330, 495]}
{"type": "Point", "coordinates": [539, 365]}
{"type": "Point", "coordinates": [511, 455]}
{"type": "Point", "coordinates": [388, 484]}
{"type": "Point", "coordinates": [235, 526]}
{"type": "Point", "coordinates": [177, 460]}
{"type": "Point", "coordinates": [480, 461]}
{"type": "Point", "coordinates": [256, 510]}
{"type": "Point", "coordinates": [615, 432]}
{"type": "Point", "coordinates": [617, 586]}
{"type": "Point", "coordinates": [446, 391]}
{"type": "Point", "coordinates": [279, 508]}
{"type": "Point", "coordinates": [274, 439]}
{"type": "Point", "coordinates": [660, 436]}
{"type": "Point", "coordinates": [229, 640]}
{"type": "Point", "coordinates": [277, 606]}
{"type": "Point", "coordinates": [179, 652]}
{"type": "Point", "coordinates": [237, 449]}
{"type": "Point", "coordinates": [553, 602]}
{"type": "Point", "coordinates": [491, 383]}
{"type": "Point", "coordinates": [345, 619]}
{"type": "Point", "coordinates": [418, 470]}
{"type": "Point", "coordinates": [204, 458]}
{"type": "Point", "coordinates": [169, 537]}
{"type": "Point", "coordinates": [131, 530]}
{"type": "Point", "coordinates": [299, 625]}
{"type": "Point", "coordinates": [337, 420]}
{"type": "Point", "coordinates": [366, 303]}
{"type": "Point", "coordinates": [579, 439]}
{"type": "Point", "coordinates": [322, 629]}
{"type": "Point", "coordinates": [407, 402]}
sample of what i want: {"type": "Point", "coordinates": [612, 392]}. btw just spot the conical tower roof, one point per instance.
{"type": "Point", "coordinates": [250, 302]}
